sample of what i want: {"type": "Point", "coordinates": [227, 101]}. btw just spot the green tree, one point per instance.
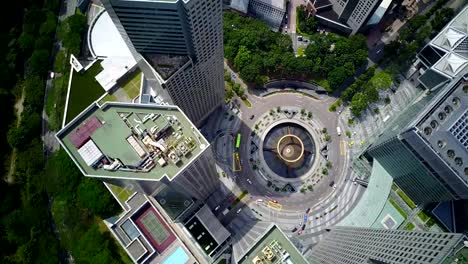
{"type": "Point", "coordinates": [26, 41]}
{"type": "Point", "coordinates": [381, 80]}
{"type": "Point", "coordinates": [48, 27]}
{"type": "Point", "coordinates": [337, 76]}
{"type": "Point", "coordinates": [94, 196]}
{"type": "Point", "coordinates": [358, 104]}
{"type": "Point", "coordinates": [243, 58]}
{"type": "Point", "coordinates": [39, 61]}
{"type": "Point", "coordinates": [94, 247]}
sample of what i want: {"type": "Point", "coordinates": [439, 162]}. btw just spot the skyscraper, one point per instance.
{"type": "Point", "coordinates": [348, 16]}
{"type": "Point", "coordinates": [349, 245]}
{"type": "Point", "coordinates": [179, 46]}
{"type": "Point", "coordinates": [144, 146]}
{"type": "Point", "coordinates": [426, 149]}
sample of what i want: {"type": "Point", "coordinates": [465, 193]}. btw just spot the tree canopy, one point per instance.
{"type": "Point", "coordinates": [260, 54]}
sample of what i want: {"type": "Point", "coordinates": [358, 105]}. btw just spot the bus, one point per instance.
{"type": "Point", "coordinates": [238, 140]}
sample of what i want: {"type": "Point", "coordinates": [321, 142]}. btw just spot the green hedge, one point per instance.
{"type": "Point", "coordinates": [399, 209]}
{"type": "Point", "coordinates": [407, 200]}
{"type": "Point", "coordinates": [409, 226]}
{"type": "Point", "coordinates": [423, 216]}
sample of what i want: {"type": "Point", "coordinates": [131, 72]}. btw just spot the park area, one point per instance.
{"type": "Point", "coordinates": [84, 90]}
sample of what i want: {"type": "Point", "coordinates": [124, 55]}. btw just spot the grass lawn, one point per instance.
{"type": "Point", "coordinates": [300, 51]}
{"type": "Point", "coordinates": [423, 216]}
{"type": "Point", "coordinates": [247, 103]}
{"type": "Point", "coordinates": [132, 87]}
{"type": "Point", "coordinates": [84, 90]}
{"type": "Point", "coordinates": [399, 209]}
{"type": "Point", "coordinates": [121, 193]}
{"type": "Point", "coordinates": [409, 226]}
{"type": "Point", "coordinates": [107, 98]}
{"type": "Point", "coordinates": [406, 199]}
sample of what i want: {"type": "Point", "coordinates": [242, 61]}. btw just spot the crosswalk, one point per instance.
{"type": "Point", "coordinates": [371, 124]}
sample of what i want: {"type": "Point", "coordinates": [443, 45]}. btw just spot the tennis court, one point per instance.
{"type": "Point", "coordinates": [154, 228]}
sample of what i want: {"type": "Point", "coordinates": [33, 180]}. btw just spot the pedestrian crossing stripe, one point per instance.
{"type": "Point", "coordinates": [275, 206]}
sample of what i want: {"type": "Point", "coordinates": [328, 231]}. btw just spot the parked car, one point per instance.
{"type": "Point", "coordinates": [294, 229]}
{"type": "Point", "coordinates": [308, 210]}
{"type": "Point", "coordinates": [239, 210]}
{"type": "Point", "coordinates": [332, 183]}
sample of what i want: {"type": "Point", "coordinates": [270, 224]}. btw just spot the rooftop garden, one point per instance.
{"type": "Point", "coordinates": [132, 86]}
{"type": "Point", "coordinates": [84, 90]}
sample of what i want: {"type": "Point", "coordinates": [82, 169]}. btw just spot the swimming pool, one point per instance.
{"type": "Point", "coordinates": [177, 257]}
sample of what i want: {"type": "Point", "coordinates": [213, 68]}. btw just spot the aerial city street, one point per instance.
{"type": "Point", "coordinates": [235, 131]}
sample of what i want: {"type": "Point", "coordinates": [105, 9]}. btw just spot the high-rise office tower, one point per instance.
{"type": "Point", "coordinates": [144, 147]}
{"type": "Point", "coordinates": [349, 16]}
{"type": "Point", "coordinates": [426, 148]}
{"type": "Point", "coordinates": [179, 46]}
{"type": "Point", "coordinates": [353, 245]}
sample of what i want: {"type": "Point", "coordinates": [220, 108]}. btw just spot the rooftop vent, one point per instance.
{"type": "Point", "coordinates": [448, 109]}
{"type": "Point", "coordinates": [427, 131]}
{"type": "Point", "coordinates": [451, 153]}
{"type": "Point", "coordinates": [441, 116]}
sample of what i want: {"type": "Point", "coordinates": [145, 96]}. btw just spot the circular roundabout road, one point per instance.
{"type": "Point", "coordinates": [284, 159]}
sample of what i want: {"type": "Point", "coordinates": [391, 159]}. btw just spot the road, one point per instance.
{"type": "Point", "coordinates": [328, 205]}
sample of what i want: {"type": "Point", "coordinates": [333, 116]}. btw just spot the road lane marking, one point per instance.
{"type": "Point", "coordinates": [343, 147]}
{"type": "Point", "coordinates": [275, 206]}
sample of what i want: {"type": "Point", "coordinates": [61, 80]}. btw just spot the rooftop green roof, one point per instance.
{"type": "Point", "coordinates": [133, 141]}
{"type": "Point", "coordinates": [280, 247]}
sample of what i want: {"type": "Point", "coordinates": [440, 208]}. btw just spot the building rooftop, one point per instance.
{"type": "Point", "coordinates": [372, 206]}
{"type": "Point", "coordinates": [450, 47]}
{"type": "Point", "coordinates": [209, 233]}
{"type": "Point", "coordinates": [443, 124]}
{"type": "Point", "coordinates": [273, 247]}
{"type": "Point", "coordinates": [132, 141]}
{"type": "Point", "coordinates": [104, 40]}
{"type": "Point", "coordinates": [280, 4]}
{"type": "Point", "coordinates": [146, 236]}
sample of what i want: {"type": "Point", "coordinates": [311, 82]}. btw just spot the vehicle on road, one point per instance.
{"type": "Point", "coordinates": [225, 211]}
{"type": "Point", "coordinates": [308, 210]}
{"type": "Point", "coordinates": [249, 181]}
{"type": "Point", "coordinates": [239, 210]}
{"type": "Point", "coordinates": [338, 131]}
{"type": "Point", "coordinates": [217, 208]}
{"type": "Point", "coordinates": [303, 227]}
{"type": "Point", "coordinates": [294, 229]}
{"type": "Point", "coordinates": [252, 117]}
{"type": "Point", "coordinates": [259, 200]}
{"type": "Point", "coordinates": [332, 183]}
{"type": "Point", "coordinates": [274, 201]}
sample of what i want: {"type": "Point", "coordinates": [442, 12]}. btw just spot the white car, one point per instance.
{"type": "Point", "coordinates": [249, 181]}
{"type": "Point", "coordinates": [239, 210]}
